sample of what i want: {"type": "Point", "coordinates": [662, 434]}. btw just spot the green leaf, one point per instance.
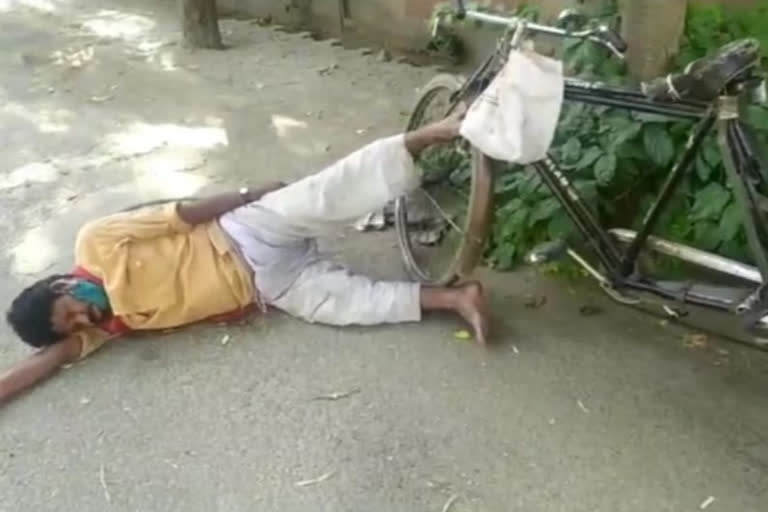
{"type": "Point", "coordinates": [589, 157]}
{"type": "Point", "coordinates": [706, 235]}
{"type": "Point", "coordinates": [623, 134]}
{"type": "Point", "coordinates": [507, 181]}
{"type": "Point", "coordinates": [572, 115]}
{"type": "Point", "coordinates": [631, 150]}
{"type": "Point", "coordinates": [571, 150]}
{"type": "Point", "coordinates": [709, 202]}
{"type": "Point", "coordinates": [658, 144]}
{"type": "Point", "coordinates": [586, 189]}
{"type": "Point", "coordinates": [757, 116]}
{"type": "Point", "coordinates": [645, 117]}
{"type": "Point", "coordinates": [703, 170]}
{"type": "Point", "coordinates": [605, 168]}
{"type": "Point", "coordinates": [712, 154]}
{"type": "Point", "coordinates": [730, 222]}
{"type": "Point", "coordinates": [531, 184]}
{"type": "Point", "coordinates": [560, 226]}
{"type": "Point", "coordinates": [543, 210]}
{"type": "Point", "coordinates": [514, 222]}
{"type": "Point", "coordinates": [511, 206]}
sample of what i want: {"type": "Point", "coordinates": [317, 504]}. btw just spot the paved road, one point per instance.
{"type": "Point", "coordinates": [100, 107]}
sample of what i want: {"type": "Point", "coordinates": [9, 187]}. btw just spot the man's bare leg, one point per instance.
{"type": "Point", "coordinates": [468, 300]}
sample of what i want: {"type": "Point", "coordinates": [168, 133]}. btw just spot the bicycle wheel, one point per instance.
{"type": "Point", "coordinates": [442, 226]}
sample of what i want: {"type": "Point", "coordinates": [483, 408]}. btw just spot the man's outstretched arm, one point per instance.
{"type": "Point", "coordinates": [38, 367]}
{"type": "Point", "coordinates": [200, 211]}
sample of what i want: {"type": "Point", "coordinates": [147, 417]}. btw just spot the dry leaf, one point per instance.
{"type": "Point", "coordinates": [462, 335]}
{"type": "Point", "coordinates": [534, 301]}
{"type": "Point", "coordinates": [337, 395]}
{"type": "Point", "coordinates": [695, 340]}
{"type": "Point", "coordinates": [589, 310]}
{"type": "Point", "coordinates": [313, 481]}
{"type": "Point", "coordinates": [450, 502]}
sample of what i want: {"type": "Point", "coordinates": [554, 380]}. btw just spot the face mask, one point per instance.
{"type": "Point", "coordinates": [90, 293]}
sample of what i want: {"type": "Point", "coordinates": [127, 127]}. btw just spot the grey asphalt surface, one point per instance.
{"type": "Point", "coordinates": [100, 108]}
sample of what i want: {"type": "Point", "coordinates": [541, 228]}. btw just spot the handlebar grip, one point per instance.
{"type": "Point", "coordinates": [461, 10]}
{"type": "Point", "coordinates": [614, 39]}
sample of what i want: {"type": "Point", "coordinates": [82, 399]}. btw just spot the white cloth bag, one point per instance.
{"type": "Point", "coordinates": [515, 118]}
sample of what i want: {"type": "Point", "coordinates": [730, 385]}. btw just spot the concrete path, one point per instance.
{"type": "Point", "coordinates": [101, 107]}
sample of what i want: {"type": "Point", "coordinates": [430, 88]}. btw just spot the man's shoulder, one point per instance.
{"type": "Point", "coordinates": [91, 228]}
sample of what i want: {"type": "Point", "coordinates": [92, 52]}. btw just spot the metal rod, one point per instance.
{"type": "Point", "coordinates": [627, 93]}
{"type": "Point", "coordinates": [495, 19]}
{"type": "Point", "coordinates": [729, 149]}
{"type": "Point", "coordinates": [692, 255]}
{"type": "Point", "coordinates": [569, 199]}
{"type": "Point", "coordinates": [634, 104]}
{"type": "Point", "coordinates": [678, 171]}
{"type": "Point", "coordinates": [689, 297]}
{"type": "Point", "coordinates": [589, 268]}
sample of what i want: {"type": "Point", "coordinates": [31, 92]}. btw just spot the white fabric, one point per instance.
{"type": "Point", "coordinates": [276, 235]}
{"type": "Point", "coordinates": [327, 293]}
{"type": "Point", "coordinates": [515, 118]}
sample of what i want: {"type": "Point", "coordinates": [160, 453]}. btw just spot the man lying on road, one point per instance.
{"type": "Point", "coordinates": [215, 259]}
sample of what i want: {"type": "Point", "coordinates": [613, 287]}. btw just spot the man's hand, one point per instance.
{"type": "Point", "coordinates": [38, 367]}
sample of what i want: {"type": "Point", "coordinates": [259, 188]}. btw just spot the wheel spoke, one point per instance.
{"type": "Point", "coordinates": [448, 218]}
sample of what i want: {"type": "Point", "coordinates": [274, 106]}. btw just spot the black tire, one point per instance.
{"type": "Point", "coordinates": [444, 263]}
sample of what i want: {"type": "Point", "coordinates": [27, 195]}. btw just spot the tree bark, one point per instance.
{"type": "Point", "coordinates": [200, 24]}
{"type": "Point", "coordinates": [652, 28]}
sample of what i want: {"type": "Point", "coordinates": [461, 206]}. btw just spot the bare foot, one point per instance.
{"type": "Point", "coordinates": [473, 307]}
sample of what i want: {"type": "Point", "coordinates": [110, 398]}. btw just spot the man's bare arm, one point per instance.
{"type": "Point", "coordinates": [205, 210]}
{"type": "Point", "coordinates": [441, 131]}
{"type": "Point", "coordinates": [37, 368]}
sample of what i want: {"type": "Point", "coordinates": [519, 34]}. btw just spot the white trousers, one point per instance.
{"type": "Point", "coordinates": [276, 236]}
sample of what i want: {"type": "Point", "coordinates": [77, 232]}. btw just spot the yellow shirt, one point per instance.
{"type": "Point", "coordinates": [160, 272]}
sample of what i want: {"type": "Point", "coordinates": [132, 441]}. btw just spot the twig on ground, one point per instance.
{"type": "Point", "coordinates": [450, 502]}
{"type": "Point", "coordinates": [313, 481]}
{"type": "Point", "coordinates": [103, 480]}
{"type": "Point", "coordinates": [337, 395]}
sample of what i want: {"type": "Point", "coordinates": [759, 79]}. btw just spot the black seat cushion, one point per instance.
{"type": "Point", "coordinates": [705, 78]}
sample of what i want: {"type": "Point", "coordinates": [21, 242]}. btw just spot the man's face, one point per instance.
{"type": "Point", "coordinates": [70, 314]}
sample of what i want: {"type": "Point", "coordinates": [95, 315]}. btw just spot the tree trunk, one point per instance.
{"type": "Point", "coordinates": [200, 24]}
{"type": "Point", "coordinates": [652, 28]}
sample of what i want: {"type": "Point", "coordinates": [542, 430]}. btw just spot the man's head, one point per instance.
{"type": "Point", "coordinates": [55, 307]}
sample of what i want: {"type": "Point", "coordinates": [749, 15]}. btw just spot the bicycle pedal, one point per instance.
{"type": "Point", "coordinates": [547, 252]}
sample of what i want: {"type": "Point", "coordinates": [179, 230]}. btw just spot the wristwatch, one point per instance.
{"type": "Point", "coordinates": [245, 195]}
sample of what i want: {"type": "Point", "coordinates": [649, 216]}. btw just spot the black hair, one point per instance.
{"type": "Point", "coordinates": [30, 312]}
